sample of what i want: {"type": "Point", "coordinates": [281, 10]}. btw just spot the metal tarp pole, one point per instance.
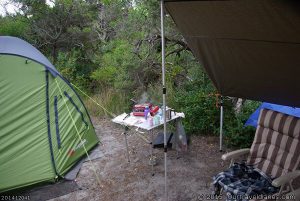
{"type": "Point", "coordinates": [164, 91]}
{"type": "Point", "coordinates": [221, 124]}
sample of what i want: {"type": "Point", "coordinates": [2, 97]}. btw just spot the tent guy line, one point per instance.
{"type": "Point", "coordinates": [99, 105]}
{"type": "Point", "coordinates": [78, 134]}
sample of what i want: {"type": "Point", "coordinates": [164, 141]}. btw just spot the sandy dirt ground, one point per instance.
{"type": "Point", "coordinates": [189, 176]}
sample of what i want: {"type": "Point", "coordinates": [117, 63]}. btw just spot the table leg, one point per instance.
{"type": "Point", "coordinates": [176, 146]}
{"type": "Point", "coordinates": [151, 151]}
{"type": "Point", "coordinates": [125, 135]}
{"type": "Point", "coordinates": [176, 139]}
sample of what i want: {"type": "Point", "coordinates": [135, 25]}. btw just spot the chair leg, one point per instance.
{"type": "Point", "coordinates": [280, 191]}
{"type": "Point", "coordinates": [217, 190]}
{"type": "Point", "coordinates": [220, 196]}
{"type": "Point", "coordinates": [291, 186]}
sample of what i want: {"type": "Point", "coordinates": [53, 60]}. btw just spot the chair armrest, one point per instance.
{"type": "Point", "coordinates": [235, 154]}
{"type": "Point", "coordinates": [285, 179]}
{"type": "Point", "coordinates": [294, 195]}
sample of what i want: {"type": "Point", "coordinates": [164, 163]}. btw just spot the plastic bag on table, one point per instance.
{"type": "Point", "coordinates": [181, 137]}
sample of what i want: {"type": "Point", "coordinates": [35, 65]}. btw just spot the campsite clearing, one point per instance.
{"type": "Point", "coordinates": [189, 176]}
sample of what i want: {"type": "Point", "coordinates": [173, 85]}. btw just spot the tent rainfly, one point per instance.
{"type": "Point", "coordinates": [44, 126]}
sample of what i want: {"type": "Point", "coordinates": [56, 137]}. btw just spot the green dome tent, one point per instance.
{"type": "Point", "coordinates": [44, 126]}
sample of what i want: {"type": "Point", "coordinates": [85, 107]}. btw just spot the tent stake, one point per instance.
{"type": "Point", "coordinates": [164, 91]}
{"type": "Point", "coordinates": [125, 136]}
{"type": "Point", "coordinates": [221, 124]}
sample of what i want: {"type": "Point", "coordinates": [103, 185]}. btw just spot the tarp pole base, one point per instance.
{"type": "Point", "coordinates": [221, 124]}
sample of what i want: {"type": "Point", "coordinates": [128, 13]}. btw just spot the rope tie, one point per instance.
{"type": "Point", "coordinates": [78, 134]}
{"type": "Point", "coordinates": [110, 113]}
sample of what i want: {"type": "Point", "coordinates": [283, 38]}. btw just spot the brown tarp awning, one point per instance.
{"type": "Point", "coordinates": [249, 48]}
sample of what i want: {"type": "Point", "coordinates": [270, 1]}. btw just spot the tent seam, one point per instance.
{"type": "Point", "coordinates": [86, 111]}
{"type": "Point", "coordinates": [48, 122]}
{"type": "Point", "coordinates": [56, 123]}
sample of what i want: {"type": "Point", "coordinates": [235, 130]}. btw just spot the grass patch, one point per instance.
{"type": "Point", "coordinates": [111, 102]}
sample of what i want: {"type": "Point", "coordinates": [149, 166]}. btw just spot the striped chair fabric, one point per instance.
{"type": "Point", "coordinates": [276, 146]}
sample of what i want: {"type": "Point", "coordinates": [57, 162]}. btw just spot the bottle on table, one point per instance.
{"type": "Point", "coordinates": [146, 112]}
{"type": "Point", "coordinates": [160, 114]}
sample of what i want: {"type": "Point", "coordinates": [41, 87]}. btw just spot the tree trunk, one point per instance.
{"type": "Point", "coordinates": [54, 53]}
{"type": "Point", "coordinates": [238, 105]}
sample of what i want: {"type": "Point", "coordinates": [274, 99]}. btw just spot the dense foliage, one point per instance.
{"type": "Point", "coordinates": [111, 49]}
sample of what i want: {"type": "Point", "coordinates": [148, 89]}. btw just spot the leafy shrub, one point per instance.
{"type": "Point", "coordinates": [105, 75]}
{"type": "Point", "coordinates": [13, 26]}
{"type": "Point", "coordinates": [197, 100]}
{"type": "Point", "coordinates": [236, 134]}
{"type": "Point", "coordinates": [76, 71]}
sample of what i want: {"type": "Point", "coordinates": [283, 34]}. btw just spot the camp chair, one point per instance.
{"type": "Point", "coordinates": [275, 150]}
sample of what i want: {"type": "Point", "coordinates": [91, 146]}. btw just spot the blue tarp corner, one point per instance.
{"type": "Point", "coordinates": [252, 121]}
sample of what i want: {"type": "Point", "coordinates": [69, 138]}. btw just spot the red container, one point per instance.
{"type": "Point", "coordinates": [154, 111]}
{"type": "Point", "coordinates": [138, 110]}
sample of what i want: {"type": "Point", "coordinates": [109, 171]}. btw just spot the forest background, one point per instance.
{"type": "Point", "coordinates": [111, 50]}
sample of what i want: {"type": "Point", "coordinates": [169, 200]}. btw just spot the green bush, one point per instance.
{"type": "Point", "coordinates": [14, 26]}
{"type": "Point", "coordinates": [236, 135]}
{"type": "Point", "coordinates": [115, 66]}
{"type": "Point", "coordinates": [76, 71]}
{"type": "Point", "coordinates": [198, 101]}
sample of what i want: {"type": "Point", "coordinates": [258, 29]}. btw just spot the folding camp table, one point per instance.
{"type": "Point", "coordinates": [128, 120]}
